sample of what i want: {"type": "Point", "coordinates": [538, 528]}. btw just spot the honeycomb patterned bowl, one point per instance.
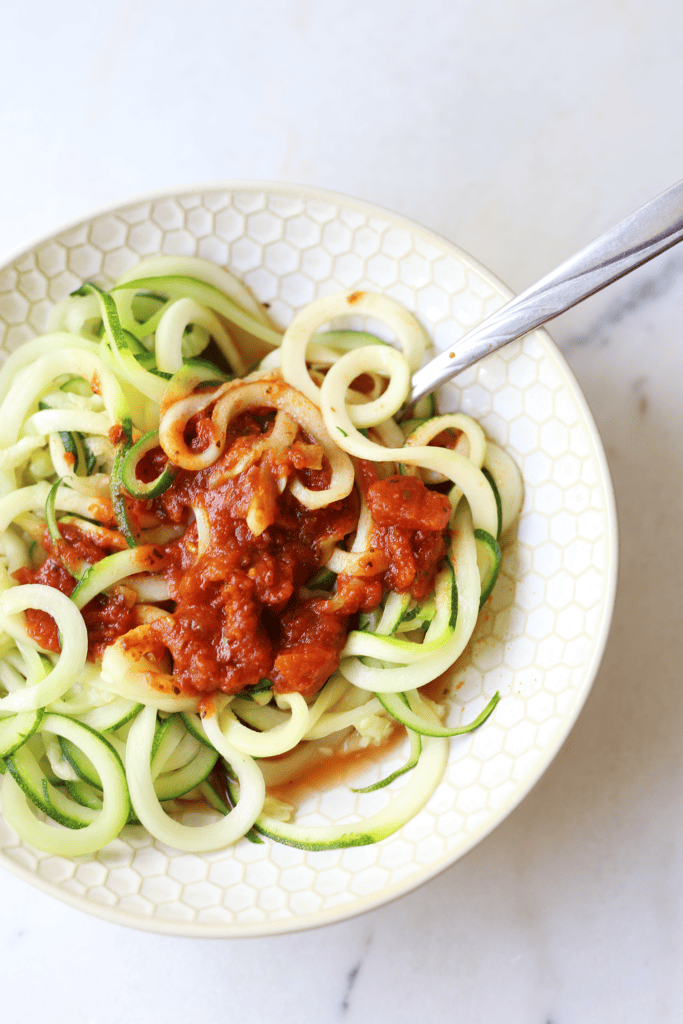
{"type": "Point", "coordinates": [539, 642]}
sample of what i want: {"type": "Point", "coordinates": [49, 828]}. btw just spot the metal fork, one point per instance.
{"type": "Point", "coordinates": [649, 231]}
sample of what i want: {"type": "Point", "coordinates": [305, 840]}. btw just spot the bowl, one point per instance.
{"type": "Point", "coordinates": [539, 642]}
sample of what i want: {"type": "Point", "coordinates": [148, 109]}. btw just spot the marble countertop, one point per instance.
{"type": "Point", "coordinates": [520, 131]}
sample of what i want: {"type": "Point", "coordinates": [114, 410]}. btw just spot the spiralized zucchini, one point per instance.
{"type": "Point", "coordinates": [87, 747]}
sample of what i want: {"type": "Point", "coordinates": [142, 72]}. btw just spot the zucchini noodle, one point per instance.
{"type": "Point", "coordinates": [211, 579]}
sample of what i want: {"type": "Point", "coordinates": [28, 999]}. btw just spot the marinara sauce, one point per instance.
{"type": "Point", "coordinates": [236, 613]}
{"type": "Point", "coordinates": [107, 616]}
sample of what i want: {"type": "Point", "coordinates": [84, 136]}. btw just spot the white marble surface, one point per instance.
{"type": "Point", "coordinates": [520, 130]}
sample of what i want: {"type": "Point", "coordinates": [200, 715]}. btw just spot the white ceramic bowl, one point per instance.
{"type": "Point", "coordinates": [540, 641]}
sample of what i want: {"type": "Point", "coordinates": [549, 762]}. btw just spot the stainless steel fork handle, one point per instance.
{"type": "Point", "coordinates": [649, 231]}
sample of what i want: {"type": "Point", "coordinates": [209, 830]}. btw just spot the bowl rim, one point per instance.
{"type": "Point", "coordinates": [361, 905]}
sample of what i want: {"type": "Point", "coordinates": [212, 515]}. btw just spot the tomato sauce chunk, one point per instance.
{"type": "Point", "coordinates": [410, 522]}
{"type": "Point", "coordinates": [310, 647]}
{"type": "Point", "coordinates": [405, 501]}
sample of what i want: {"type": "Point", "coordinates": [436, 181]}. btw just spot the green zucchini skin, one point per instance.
{"type": "Point", "coordinates": [489, 545]}
{"type": "Point", "coordinates": [496, 494]}
{"type": "Point", "coordinates": [136, 488]}
{"type": "Point", "coordinates": [17, 729]}
{"type": "Point", "coordinates": [118, 497]}
{"type": "Point", "coordinates": [49, 797]}
{"type": "Point", "coordinates": [404, 714]}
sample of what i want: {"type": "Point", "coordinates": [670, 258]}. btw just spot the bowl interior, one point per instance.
{"type": "Point", "coordinates": [539, 641]}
